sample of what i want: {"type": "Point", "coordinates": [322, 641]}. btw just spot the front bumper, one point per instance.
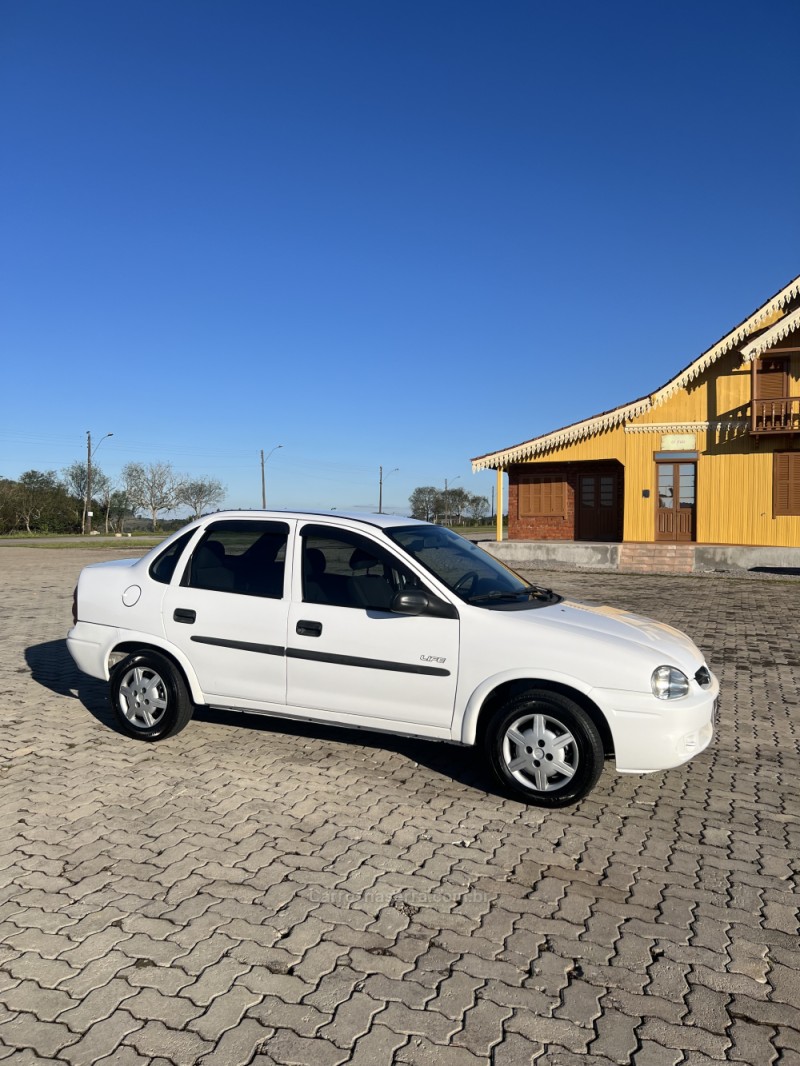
{"type": "Point", "coordinates": [651, 734]}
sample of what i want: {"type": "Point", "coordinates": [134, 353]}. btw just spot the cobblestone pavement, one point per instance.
{"type": "Point", "coordinates": [258, 892]}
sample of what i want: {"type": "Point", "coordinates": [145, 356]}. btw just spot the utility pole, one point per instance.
{"type": "Point", "coordinates": [380, 487]}
{"type": "Point", "coordinates": [89, 454]}
{"type": "Point", "coordinates": [88, 522]}
{"type": "Point", "coordinates": [263, 481]}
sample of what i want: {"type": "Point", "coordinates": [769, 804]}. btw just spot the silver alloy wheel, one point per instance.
{"type": "Point", "coordinates": [540, 752]}
{"type": "Point", "coordinates": [142, 697]}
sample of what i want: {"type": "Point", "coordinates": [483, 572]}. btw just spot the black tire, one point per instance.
{"type": "Point", "coordinates": [149, 696]}
{"type": "Point", "coordinates": [531, 737]}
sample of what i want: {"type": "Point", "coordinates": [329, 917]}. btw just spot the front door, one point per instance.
{"type": "Point", "coordinates": [597, 507]}
{"type": "Point", "coordinates": [350, 656]}
{"type": "Point", "coordinates": [675, 511]}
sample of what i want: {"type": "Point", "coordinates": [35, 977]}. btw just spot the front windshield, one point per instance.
{"type": "Point", "coordinates": [467, 570]}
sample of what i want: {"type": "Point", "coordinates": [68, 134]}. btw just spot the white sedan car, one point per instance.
{"type": "Point", "coordinates": [386, 623]}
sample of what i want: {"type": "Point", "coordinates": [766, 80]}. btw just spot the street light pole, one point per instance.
{"type": "Point", "coordinates": [89, 454]}
{"type": "Point", "coordinates": [263, 481]}
{"type": "Point", "coordinates": [380, 487]}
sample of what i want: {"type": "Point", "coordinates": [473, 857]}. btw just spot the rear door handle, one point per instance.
{"type": "Point", "coordinates": [309, 629]}
{"type": "Point", "coordinates": [181, 615]}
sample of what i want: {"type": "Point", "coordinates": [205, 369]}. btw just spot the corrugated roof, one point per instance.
{"type": "Point", "coordinates": [608, 419]}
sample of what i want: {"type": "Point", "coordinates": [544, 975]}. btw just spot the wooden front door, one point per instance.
{"type": "Point", "coordinates": [598, 517]}
{"type": "Point", "coordinates": [677, 500]}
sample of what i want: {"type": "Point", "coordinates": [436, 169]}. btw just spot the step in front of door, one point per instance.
{"type": "Point", "coordinates": [657, 558]}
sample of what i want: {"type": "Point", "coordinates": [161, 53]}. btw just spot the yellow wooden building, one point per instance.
{"type": "Point", "coordinates": [712, 457]}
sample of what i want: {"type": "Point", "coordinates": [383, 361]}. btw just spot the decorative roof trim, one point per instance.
{"type": "Point", "coordinates": [735, 337]}
{"type": "Point", "coordinates": [686, 427]}
{"type": "Point", "coordinates": [782, 328]}
{"type": "Point", "coordinates": [567, 435]}
{"type": "Point", "coordinates": [609, 419]}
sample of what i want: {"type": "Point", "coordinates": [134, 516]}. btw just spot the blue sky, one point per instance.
{"type": "Point", "coordinates": [376, 233]}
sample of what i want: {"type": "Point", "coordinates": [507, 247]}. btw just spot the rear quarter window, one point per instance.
{"type": "Point", "coordinates": [163, 567]}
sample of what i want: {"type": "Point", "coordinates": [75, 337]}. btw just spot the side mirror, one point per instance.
{"type": "Point", "coordinates": [415, 602]}
{"type": "Point", "coordinates": [410, 601]}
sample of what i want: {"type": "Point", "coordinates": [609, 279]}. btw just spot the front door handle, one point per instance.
{"type": "Point", "coordinates": [309, 629]}
{"type": "Point", "coordinates": [182, 615]}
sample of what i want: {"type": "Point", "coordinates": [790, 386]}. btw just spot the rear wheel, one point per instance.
{"type": "Point", "coordinates": [149, 696]}
{"type": "Point", "coordinates": [544, 748]}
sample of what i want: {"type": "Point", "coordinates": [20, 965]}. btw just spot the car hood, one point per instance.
{"type": "Point", "coordinates": [673, 646]}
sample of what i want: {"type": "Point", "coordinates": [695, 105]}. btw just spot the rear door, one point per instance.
{"type": "Point", "coordinates": [228, 613]}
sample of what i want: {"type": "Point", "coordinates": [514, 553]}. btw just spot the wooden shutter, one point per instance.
{"type": "Point", "coordinates": [542, 497]}
{"type": "Point", "coordinates": [773, 378]}
{"type": "Point", "coordinates": [786, 484]}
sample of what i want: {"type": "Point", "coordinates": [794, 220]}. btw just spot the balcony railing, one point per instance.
{"type": "Point", "coordinates": [779, 415]}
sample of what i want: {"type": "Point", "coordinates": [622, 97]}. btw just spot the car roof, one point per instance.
{"type": "Point", "coordinates": [381, 521]}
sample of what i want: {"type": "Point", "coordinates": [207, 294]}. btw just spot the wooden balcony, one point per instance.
{"type": "Point", "coordinates": [780, 414]}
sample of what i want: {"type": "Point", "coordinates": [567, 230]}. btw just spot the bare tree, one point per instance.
{"type": "Point", "coordinates": [477, 507]}
{"type": "Point", "coordinates": [200, 495]}
{"type": "Point", "coordinates": [153, 488]}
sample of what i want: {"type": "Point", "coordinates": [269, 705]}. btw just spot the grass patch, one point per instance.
{"type": "Point", "coordinates": [138, 544]}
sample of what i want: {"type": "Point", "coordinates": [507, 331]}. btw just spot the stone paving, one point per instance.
{"type": "Point", "coordinates": [261, 892]}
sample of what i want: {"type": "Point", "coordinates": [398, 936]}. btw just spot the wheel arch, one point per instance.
{"type": "Point", "coordinates": [477, 716]}
{"type": "Point", "coordinates": [129, 647]}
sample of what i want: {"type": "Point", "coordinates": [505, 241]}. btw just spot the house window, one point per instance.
{"type": "Point", "coordinates": [786, 484]}
{"type": "Point", "coordinates": [542, 497]}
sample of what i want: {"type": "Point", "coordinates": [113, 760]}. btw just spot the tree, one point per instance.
{"type": "Point", "coordinates": [75, 479]}
{"type": "Point", "coordinates": [200, 495]}
{"type": "Point", "coordinates": [477, 507]}
{"type": "Point", "coordinates": [31, 490]}
{"type": "Point", "coordinates": [103, 489]}
{"type": "Point", "coordinates": [455, 503]}
{"type": "Point", "coordinates": [425, 503]}
{"type": "Point", "coordinates": [8, 493]}
{"type": "Point", "coordinates": [119, 508]}
{"type": "Point", "coordinates": [153, 488]}
{"type": "Point", "coordinates": [434, 505]}
{"type": "Point", "coordinates": [40, 503]}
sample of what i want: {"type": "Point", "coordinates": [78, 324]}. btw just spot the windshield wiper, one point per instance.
{"type": "Point", "coordinates": [535, 591]}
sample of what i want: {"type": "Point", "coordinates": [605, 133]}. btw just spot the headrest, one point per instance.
{"type": "Point", "coordinates": [363, 560]}
{"type": "Point", "coordinates": [315, 558]}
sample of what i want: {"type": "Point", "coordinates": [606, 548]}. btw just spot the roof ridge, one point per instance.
{"type": "Point", "coordinates": [608, 419]}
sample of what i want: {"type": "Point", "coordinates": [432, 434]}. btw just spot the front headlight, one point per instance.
{"type": "Point", "coordinates": [669, 683]}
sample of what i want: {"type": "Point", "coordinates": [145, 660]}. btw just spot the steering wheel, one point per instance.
{"type": "Point", "coordinates": [472, 577]}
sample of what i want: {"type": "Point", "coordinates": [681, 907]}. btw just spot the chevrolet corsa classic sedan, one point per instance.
{"type": "Point", "coordinates": [386, 623]}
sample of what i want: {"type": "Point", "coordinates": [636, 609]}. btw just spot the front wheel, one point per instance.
{"type": "Point", "coordinates": [544, 748]}
{"type": "Point", "coordinates": [149, 696]}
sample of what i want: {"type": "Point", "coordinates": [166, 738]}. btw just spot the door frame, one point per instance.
{"type": "Point", "coordinates": [675, 459]}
